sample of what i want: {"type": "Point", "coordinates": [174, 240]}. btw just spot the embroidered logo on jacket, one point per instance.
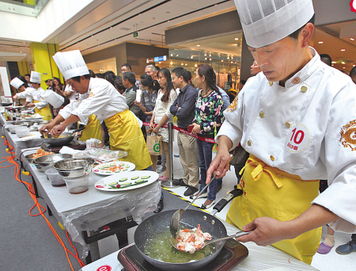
{"type": "Point", "coordinates": [348, 135]}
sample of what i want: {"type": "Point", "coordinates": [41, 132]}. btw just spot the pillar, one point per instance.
{"type": "Point", "coordinates": [43, 62]}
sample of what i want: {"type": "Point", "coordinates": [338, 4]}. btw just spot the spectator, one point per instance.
{"type": "Point", "coordinates": [130, 92]}
{"type": "Point", "coordinates": [161, 115]}
{"type": "Point", "coordinates": [119, 85]}
{"type": "Point", "coordinates": [183, 107]}
{"type": "Point", "coordinates": [27, 78]}
{"type": "Point", "coordinates": [49, 83]}
{"type": "Point", "coordinates": [208, 119]}
{"type": "Point", "coordinates": [110, 76]}
{"type": "Point", "coordinates": [152, 71]}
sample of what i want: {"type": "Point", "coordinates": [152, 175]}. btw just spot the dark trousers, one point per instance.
{"type": "Point", "coordinates": [205, 155]}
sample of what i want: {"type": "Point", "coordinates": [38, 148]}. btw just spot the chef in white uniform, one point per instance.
{"type": "Point", "coordinates": [297, 119]}
{"type": "Point", "coordinates": [107, 104]}
{"type": "Point", "coordinates": [40, 98]}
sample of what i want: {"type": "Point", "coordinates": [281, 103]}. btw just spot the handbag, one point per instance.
{"type": "Point", "coordinates": [154, 144]}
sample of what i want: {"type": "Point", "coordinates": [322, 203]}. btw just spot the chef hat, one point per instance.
{"type": "Point", "coordinates": [16, 83]}
{"type": "Point", "coordinates": [71, 64]}
{"type": "Point", "coordinates": [35, 77]}
{"type": "Point", "coordinates": [267, 21]}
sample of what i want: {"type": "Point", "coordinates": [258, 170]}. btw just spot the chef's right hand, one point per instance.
{"type": "Point", "coordinates": [57, 130]}
{"type": "Point", "coordinates": [219, 166]}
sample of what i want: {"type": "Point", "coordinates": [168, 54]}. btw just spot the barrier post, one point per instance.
{"type": "Point", "coordinates": [169, 183]}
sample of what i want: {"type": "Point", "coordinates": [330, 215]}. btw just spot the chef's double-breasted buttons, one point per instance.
{"type": "Point", "coordinates": [262, 114]}
{"type": "Point", "coordinates": [288, 124]}
{"type": "Point", "coordinates": [249, 143]}
{"type": "Point", "coordinates": [272, 157]}
{"type": "Point", "coordinates": [303, 89]}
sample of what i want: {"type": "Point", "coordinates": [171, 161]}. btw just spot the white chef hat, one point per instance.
{"type": "Point", "coordinates": [35, 77]}
{"type": "Point", "coordinates": [16, 82]}
{"type": "Point", "coordinates": [267, 21]}
{"type": "Point", "coordinates": [71, 64]}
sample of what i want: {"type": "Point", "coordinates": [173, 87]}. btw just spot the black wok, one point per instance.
{"type": "Point", "coordinates": [63, 140]}
{"type": "Point", "coordinates": [60, 141]}
{"type": "Point", "coordinates": [159, 223]}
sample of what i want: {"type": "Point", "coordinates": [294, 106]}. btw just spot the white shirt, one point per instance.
{"type": "Point", "coordinates": [298, 129]}
{"type": "Point", "coordinates": [162, 108]}
{"type": "Point", "coordinates": [103, 100]}
{"type": "Point", "coordinates": [31, 94]}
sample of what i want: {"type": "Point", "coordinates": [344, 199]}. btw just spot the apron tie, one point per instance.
{"type": "Point", "coordinates": [259, 168]}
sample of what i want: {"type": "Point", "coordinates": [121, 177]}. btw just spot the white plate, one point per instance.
{"type": "Point", "coordinates": [131, 177]}
{"type": "Point", "coordinates": [123, 166]}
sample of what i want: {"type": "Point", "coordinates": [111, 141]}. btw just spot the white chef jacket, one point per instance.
{"type": "Point", "coordinates": [31, 94]}
{"type": "Point", "coordinates": [66, 111]}
{"type": "Point", "coordinates": [103, 100]}
{"type": "Point", "coordinates": [307, 128]}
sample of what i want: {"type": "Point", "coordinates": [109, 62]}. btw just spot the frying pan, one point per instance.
{"type": "Point", "coordinates": [61, 141]}
{"type": "Point", "coordinates": [159, 223]}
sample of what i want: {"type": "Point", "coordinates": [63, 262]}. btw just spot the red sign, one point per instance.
{"type": "Point", "coordinates": [104, 268]}
{"type": "Point", "coordinates": [353, 5]}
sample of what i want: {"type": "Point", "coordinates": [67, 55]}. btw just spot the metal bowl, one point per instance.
{"type": "Point", "coordinates": [75, 167]}
{"type": "Point", "coordinates": [44, 162]}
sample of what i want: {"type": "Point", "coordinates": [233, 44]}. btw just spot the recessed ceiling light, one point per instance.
{"type": "Point", "coordinates": [333, 62]}
{"type": "Point", "coordinates": [320, 42]}
{"type": "Point", "coordinates": [343, 63]}
{"type": "Point", "coordinates": [343, 50]}
{"type": "Point", "coordinates": [352, 39]}
{"type": "Point", "coordinates": [234, 44]}
{"type": "Point", "coordinates": [192, 57]}
{"type": "Point", "coordinates": [344, 68]}
{"type": "Point", "coordinates": [198, 45]}
{"type": "Point", "coordinates": [236, 38]}
{"type": "Point", "coordinates": [222, 60]}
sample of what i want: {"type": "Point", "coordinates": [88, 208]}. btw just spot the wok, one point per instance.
{"type": "Point", "coordinates": [159, 223]}
{"type": "Point", "coordinates": [64, 140]}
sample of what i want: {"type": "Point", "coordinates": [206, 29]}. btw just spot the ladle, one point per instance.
{"type": "Point", "coordinates": [177, 215]}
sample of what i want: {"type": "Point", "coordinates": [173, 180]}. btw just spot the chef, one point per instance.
{"type": "Point", "coordinates": [107, 104]}
{"type": "Point", "coordinates": [297, 120]}
{"type": "Point", "coordinates": [36, 96]}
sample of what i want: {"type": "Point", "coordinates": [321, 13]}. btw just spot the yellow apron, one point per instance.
{"type": "Point", "coordinates": [125, 134]}
{"type": "Point", "coordinates": [45, 112]}
{"type": "Point", "coordinates": [270, 192]}
{"type": "Point", "coordinates": [93, 129]}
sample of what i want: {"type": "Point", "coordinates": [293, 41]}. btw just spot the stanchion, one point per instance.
{"type": "Point", "coordinates": [169, 183]}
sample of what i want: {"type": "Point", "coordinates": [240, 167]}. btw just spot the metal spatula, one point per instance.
{"type": "Point", "coordinates": [177, 215]}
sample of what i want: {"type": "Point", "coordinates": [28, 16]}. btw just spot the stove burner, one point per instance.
{"type": "Point", "coordinates": [232, 253]}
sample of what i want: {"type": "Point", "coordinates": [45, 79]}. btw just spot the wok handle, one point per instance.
{"type": "Point", "coordinates": [223, 202]}
{"type": "Point", "coordinates": [235, 235]}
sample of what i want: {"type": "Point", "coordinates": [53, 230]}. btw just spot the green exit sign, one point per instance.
{"type": "Point", "coordinates": [135, 34]}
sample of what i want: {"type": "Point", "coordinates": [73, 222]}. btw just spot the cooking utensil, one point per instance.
{"type": "Point", "coordinates": [177, 216]}
{"type": "Point", "coordinates": [65, 139]}
{"type": "Point", "coordinates": [44, 162]}
{"type": "Point", "coordinates": [74, 167]}
{"type": "Point", "coordinates": [235, 235]}
{"type": "Point", "coordinates": [159, 223]}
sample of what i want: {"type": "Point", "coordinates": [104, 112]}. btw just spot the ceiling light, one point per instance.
{"type": "Point", "coordinates": [195, 65]}
{"type": "Point", "coordinates": [343, 50]}
{"type": "Point", "coordinates": [333, 62]}
{"type": "Point", "coordinates": [236, 38]}
{"type": "Point", "coordinates": [205, 54]}
{"type": "Point", "coordinates": [181, 64]}
{"type": "Point", "coordinates": [343, 63]}
{"type": "Point", "coordinates": [222, 60]}
{"type": "Point", "coordinates": [198, 45]}
{"type": "Point", "coordinates": [210, 59]}
{"type": "Point", "coordinates": [352, 39]}
{"type": "Point", "coordinates": [206, 58]}
{"type": "Point", "coordinates": [320, 42]}
{"type": "Point", "coordinates": [171, 54]}
{"type": "Point", "coordinates": [192, 57]}
{"type": "Point", "coordinates": [234, 44]}
{"type": "Point", "coordinates": [177, 55]}
{"type": "Point", "coordinates": [185, 64]}
{"type": "Point", "coordinates": [171, 63]}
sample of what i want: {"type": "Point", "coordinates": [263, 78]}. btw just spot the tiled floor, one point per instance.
{"type": "Point", "coordinates": [329, 262]}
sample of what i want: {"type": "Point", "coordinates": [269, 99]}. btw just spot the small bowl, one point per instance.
{"type": "Point", "coordinates": [54, 177]}
{"type": "Point", "coordinates": [44, 162]}
{"type": "Point", "coordinates": [75, 167]}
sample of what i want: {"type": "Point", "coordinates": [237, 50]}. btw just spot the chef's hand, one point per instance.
{"type": "Point", "coordinates": [14, 97]}
{"type": "Point", "coordinates": [30, 105]}
{"type": "Point", "coordinates": [266, 231]}
{"type": "Point", "coordinates": [220, 165]}
{"type": "Point", "coordinates": [58, 129]}
{"type": "Point", "coordinates": [196, 129]}
{"type": "Point", "coordinates": [46, 128]}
